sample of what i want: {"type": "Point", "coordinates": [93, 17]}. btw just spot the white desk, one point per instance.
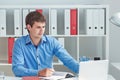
{"type": "Point", "coordinates": [17, 78]}
{"type": "Point", "coordinates": [12, 78]}
{"type": "Point", "coordinates": [109, 78]}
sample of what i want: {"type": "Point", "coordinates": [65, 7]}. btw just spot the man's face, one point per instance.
{"type": "Point", "coordinates": [37, 30]}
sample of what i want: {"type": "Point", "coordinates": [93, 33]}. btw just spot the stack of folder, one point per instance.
{"type": "Point", "coordinates": [95, 19]}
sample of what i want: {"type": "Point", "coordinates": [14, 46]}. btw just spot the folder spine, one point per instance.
{"type": "Point", "coordinates": [62, 42]}
{"type": "Point", "coordinates": [2, 22]}
{"type": "Point", "coordinates": [17, 22]}
{"type": "Point", "coordinates": [67, 21]}
{"type": "Point", "coordinates": [95, 21]}
{"type": "Point", "coordinates": [24, 29]}
{"type": "Point", "coordinates": [73, 21]}
{"type": "Point", "coordinates": [53, 21]}
{"type": "Point", "coordinates": [10, 47]}
{"type": "Point", "coordinates": [101, 22]}
{"type": "Point", "coordinates": [39, 10]}
{"type": "Point", "coordinates": [89, 21]}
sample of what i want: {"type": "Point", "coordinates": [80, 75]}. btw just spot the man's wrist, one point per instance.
{"type": "Point", "coordinates": [38, 73]}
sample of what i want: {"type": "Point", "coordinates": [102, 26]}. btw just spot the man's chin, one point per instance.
{"type": "Point", "coordinates": [39, 36]}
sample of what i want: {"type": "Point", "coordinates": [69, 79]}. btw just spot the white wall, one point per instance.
{"type": "Point", "coordinates": [114, 33]}
{"type": "Point", "coordinates": [40, 2]}
{"type": "Point", "coordinates": [114, 7]}
{"type": "Point", "coordinates": [114, 39]}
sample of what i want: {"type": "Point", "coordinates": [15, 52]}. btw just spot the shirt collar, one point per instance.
{"type": "Point", "coordinates": [28, 39]}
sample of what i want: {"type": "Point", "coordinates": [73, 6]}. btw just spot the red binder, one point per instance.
{"type": "Point", "coordinates": [39, 10]}
{"type": "Point", "coordinates": [31, 78]}
{"type": "Point", "coordinates": [73, 21]}
{"type": "Point", "coordinates": [10, 47]}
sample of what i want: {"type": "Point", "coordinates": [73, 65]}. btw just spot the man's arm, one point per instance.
{"type": "Point", "coordinates": [18, 66]}
{"type": "Point", "coordinates": [20, 71]}
{"type": "Point", "coordinates": [65, 57]}
{"type": "Point", "coordinates": [68, 60]}
{"type": "Point", "coordinates": [46, 72]}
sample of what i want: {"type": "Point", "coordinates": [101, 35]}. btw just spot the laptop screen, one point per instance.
{"type": "Point", "coordinates": [93, 70]}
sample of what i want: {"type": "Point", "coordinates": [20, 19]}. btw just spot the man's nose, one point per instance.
{"type": "Point", "coordinates": [41, 29]}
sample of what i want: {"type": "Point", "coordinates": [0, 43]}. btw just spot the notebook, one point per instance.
{"type": "Point", "coordinates": [58, 75]}
{"type": "Point", "coordinates": [93, 70]}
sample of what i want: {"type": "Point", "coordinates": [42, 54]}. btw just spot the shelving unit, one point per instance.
{"type": "Point", "coordinates": [81, 44]}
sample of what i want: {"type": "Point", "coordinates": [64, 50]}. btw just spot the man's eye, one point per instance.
{"type": "Point", "coordinates": [38, 27]}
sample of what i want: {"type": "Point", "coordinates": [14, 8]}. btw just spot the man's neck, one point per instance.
{"type": "Point", "coordinates": [36, 41]}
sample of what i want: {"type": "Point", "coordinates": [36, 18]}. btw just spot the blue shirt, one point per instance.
{"type": "Point", "coordinates": [27, 60]}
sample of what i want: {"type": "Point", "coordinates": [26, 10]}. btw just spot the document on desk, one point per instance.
{"type": "Point", "coordinates": [57, 75]}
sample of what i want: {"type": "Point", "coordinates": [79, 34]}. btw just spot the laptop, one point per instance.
{"type": "Point", "coordinates": [93, 70]}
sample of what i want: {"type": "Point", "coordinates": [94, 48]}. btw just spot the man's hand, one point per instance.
{"type": "Point", "coordinates": [46, 72]}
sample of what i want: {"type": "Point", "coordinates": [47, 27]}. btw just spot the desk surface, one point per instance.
{"type": "Point", "coordinates": [17, 78]}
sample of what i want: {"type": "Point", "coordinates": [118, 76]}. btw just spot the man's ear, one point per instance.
{"type": "Point", "coordinates": [28, 26]}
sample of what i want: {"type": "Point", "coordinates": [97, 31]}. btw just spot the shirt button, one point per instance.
{"type": "Point", "coordinates": [38, 64]}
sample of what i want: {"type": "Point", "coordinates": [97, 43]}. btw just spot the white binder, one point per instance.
{"type": "Point", "coordinates": [67, 22]}
{"type": "Point", "coordinates": [25, 12]}
{"type": "Point", "coordinates": [2, 22]}
{"type": "Point", "coordinates": [32, 10]}
{"type": "Point", "coordinates": [62, 42]}
{"type": "Point", "coordinates": [101, 22]}
{"type": "Point", "coordinates": [89, 21]}
{"type": "Point", "coordinates": [53, 21]}
{"type": "Point", "coordinates": [17, 22]}
{"type": "Point", "coordinates": [95, 21]}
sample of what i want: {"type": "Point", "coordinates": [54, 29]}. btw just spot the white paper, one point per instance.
{"type": "Point", "coordinates": [57, 75]}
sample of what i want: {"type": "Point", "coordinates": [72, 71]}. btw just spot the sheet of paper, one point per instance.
{"type": "Point", "coordinates": [56, 76]}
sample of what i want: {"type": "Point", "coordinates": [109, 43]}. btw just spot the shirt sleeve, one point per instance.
{"type": "Point", "coordinates": [18, 67]}
{"type": "Point", "coordinates": [65, 57]}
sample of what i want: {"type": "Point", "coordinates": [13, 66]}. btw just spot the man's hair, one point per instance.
{"type": "Point", "coordinates": [34, 17]}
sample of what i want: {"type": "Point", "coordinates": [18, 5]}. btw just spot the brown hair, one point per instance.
{"type": "Point", "coordinates": [34, 17]}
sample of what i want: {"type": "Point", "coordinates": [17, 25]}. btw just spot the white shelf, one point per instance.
{"type": "Point", "coordinates": [4, 63]}
{"type": "Point", "coordinates": [57, 63]}
{"type": "Point", "coordinates": [10, 36]}
{"type": "Point", "coordinates": [101, 41]}
{"type": "Point", "coordinates": [81, 44]}
{"type": "Point", "coordinates": [78, 35]}
{"type": "Point", "coordinates": [61, 36]}
{"type": "Point", "coordinates": [53, 6]}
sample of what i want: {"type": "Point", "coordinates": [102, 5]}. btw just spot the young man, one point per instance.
{"type": "Point", "coordinates": [33, 53]}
